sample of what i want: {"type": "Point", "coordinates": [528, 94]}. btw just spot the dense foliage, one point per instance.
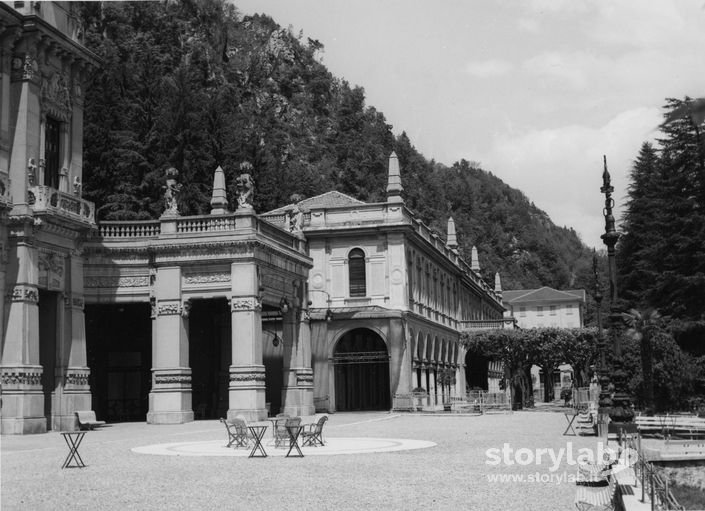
{"type": "Point", "coordinates": [194, 85]}
{"type": "Point", "coordinates": [661, 261]}
{"type": "Point", "coordinates": [661, 256]}
{"type": "Point", "coordinates": [543, 347]}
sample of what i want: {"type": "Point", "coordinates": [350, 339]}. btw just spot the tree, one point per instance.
{"type": "Point", "coordinates": [642, 326]}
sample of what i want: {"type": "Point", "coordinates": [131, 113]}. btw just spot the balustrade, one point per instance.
{"type": "Point", "coordinates": [195, 224]}
{"type": "Point", "coordinates": [44, 199]}
{"type": "Point", "coordinates": [135, 229]}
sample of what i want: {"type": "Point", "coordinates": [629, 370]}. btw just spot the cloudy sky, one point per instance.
{"type": "Point", "coordinates": [535, 90]}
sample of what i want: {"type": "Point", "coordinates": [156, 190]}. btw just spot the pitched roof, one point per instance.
{"type": "Point", "coordinates": [543, 294]}
{"type": "Point", "coordinates": [330, 199]}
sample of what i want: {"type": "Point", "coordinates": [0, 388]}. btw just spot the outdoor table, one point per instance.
{"type": "Point", "coordinates": [257, 434]}
{"type": "Point", "coordinates": [570, 418]}
{"type": "Point", "coordinates": [294, 432]}
{"type": "Point", "coordinates": [73, 441]}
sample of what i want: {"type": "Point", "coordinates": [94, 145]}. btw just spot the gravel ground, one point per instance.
{"type": "Point", "coordinates": [452, 475]}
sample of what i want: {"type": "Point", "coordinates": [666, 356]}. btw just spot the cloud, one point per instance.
{"type": "Point", "coordinates": [488, 68]}
{"type": "Point", "coordinates": [560, 169]}
{"type": "Point", "coordinates": [528, 25]}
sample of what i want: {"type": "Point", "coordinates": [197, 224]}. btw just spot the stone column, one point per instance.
{"type": "Point", "coordinates": [432, 384]}
{"type": "Point", "coordinates": [73, 391]}
{"type": "Point", "coordinates": [247, 376]}
{"type": "Point", "coordinates": [297, 390]}
{"type": "Point", "coordinates": [22, 394]}
{"type": "Point", "coordinates": [460, 382]}
{"type": "Point", "coordinates": [170, 397]}
{"type": "Point", "coordinates": [401, 354]}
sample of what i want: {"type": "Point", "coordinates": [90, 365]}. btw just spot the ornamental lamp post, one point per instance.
{"type": "Point", "coordinates": [605, 398]}
{"type": "Point", "coordinates": [620, 407]}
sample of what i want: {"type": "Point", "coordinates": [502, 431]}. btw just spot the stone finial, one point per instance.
{"type": "Point", "coordinates": [452, 241]}
{"type": "Point", "coordinates": [475, 261]}
{"type": "Point", "coordinates": [219, 199]}
{"type": "Point", "coordinates": [295, 220]}
{"type": "Point", "coordinates": [394, 187]}
{"type": "Point", "coordinates": [77, 186]}
{"type": "Point", "coordinates": [497, 284]}
{"type": "Point", "coordinates": [245, 186]}
{"type": "Point", "coordinates": [171, 193]}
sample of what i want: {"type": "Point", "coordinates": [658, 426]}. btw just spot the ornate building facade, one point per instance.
{"type": "Point", "coordinates": [43, 68]}
{"type": "Point", "coordinates": [330, 304]}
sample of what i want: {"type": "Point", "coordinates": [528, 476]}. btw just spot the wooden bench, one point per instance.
{"type": "Point", "coordinates": [667, 425]}
{"type": "Point", "coordinates": [87, 420]}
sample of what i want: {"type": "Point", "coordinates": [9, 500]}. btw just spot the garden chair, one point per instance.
{"type": "Point", "coordinates": [281, 434]}
{"type": "Point", "coordinates": [238, 434]}
{"type": "Point", "coordinates": [313, 434]}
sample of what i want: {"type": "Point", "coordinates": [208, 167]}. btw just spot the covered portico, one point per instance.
{"type": "Point", "coordinates": [259, 269]}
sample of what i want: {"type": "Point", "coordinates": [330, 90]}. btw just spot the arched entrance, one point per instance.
{"type": "Point", "coordinates": [361, 365]}
{"type": "Point", "coordinates": [476, 371]}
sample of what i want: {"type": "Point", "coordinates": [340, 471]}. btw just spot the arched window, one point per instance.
{"type": "Point", "coordinates": [356, 273]}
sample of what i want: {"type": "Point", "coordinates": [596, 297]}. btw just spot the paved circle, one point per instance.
{"type": "Point", "coordinates": [333, 446]}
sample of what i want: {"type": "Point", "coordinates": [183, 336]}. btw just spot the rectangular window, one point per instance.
{"type": "Point", "coordinates": [553, 310]}
{"type": "Point", "coordinates": [569, 309]}
{"type": "Point", "coordinates": [52, 152]}
{"type": "Point", "coordinates": [539, 311]}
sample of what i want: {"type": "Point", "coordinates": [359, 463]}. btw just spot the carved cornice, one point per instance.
{"type": "Point", "coordinates": [167, 379]}
{"type": "Point", "coordinates": [207, 278]}
{"type": "Point", "coordinates": [253, 377]}
{"type": "Point", "coordinates": [55, 97]}
{"type": "Point", "coordinates": [80, 379]}
{"type": "Point", "coordinates": [117, 281]}
{"type": "Point", "coordinates": [22, 378]}
{"type": "Point", "coordinates": [25, 67]}
{"type": "Point", "coordinates": [25, 293]}
{"type": "Point", "coordinates": [239, 304]}
{"type": "Point", "coordinates": [169, 309]}
{"type": "Point", "coordinates": [185, 252]}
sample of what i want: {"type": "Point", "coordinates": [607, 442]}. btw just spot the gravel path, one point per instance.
{"type": "Point", "coordinates": [452, 475]}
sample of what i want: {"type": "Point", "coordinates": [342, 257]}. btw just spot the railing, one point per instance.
{"type": "Point", "coordinates": [205, 223]}
{"type": "Point", "coordinates": [482, 400]}
{"type": "Point", "coordinates": [44, 199]}
{"type": "Point", "coordinates": [488, 324]}
{"type": "Point", "coordinates": [135, 229]}
{"type": "Point", "coordinates": [651, 482]}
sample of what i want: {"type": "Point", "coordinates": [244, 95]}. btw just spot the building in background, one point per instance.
{"type": "Point", "coordinates": [547, 307]}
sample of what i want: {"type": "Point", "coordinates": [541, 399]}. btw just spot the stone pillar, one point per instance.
{"type": "Point", "coordinates": [247, 376]}
{"type": "Point", "coordinates": [73, 392]}
{"type": "Point", "coordinates": [399, 335]}
{"type": "Point", "coordinates": [297, 390]}
{"type": "Point", "coordinates": [22, 394]}
{"type": "Point", "coordinates": [170, 397]}
{"type": "Point", "coordinates": [460, 381]}
{"type": "Point", "coordinates": [417, 376]}
{"type": "Point", "coordinates": [432, 384]}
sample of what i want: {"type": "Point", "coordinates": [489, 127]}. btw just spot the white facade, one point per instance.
{"type": "Point", "coordinates": [545, 307]}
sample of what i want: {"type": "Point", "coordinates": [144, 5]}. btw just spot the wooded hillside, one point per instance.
{"type": "Point", "coordinates": [195, 85]}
